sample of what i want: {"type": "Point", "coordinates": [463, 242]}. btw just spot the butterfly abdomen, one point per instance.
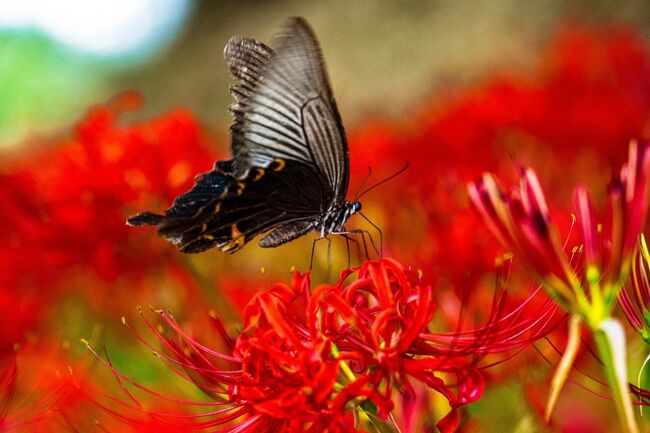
{"type": "Point", "coordinates": [287, 232]}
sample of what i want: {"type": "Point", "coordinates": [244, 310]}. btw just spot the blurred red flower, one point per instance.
{"type": "Point", "coordinates": [64, 206]}
{"type": "Point", "coordinates": [635, 299]}
{"type": "Point", "coordinates": [37, 391]}
{"type": "Point", "coordinates": [590, 92]}
{"type": "Point", "coordinates": [67, 203]}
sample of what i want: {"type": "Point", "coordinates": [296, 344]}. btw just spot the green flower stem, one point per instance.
{"type": "Point", "coordinates": [610, 341]}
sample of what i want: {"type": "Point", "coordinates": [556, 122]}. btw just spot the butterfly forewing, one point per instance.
{"type": "Point", "coordinates": [290, 112]}
{"type": "Point", "coordinates": [265, 199]}
{"type": "Point", "coordinates": [246, 59]}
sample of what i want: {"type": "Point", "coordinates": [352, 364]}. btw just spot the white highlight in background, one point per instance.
{"type": "Point", "coordinates": [101, 27]}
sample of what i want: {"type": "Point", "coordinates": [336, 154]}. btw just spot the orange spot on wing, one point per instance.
{"type": "Point", "coordinates": [240, 188]}
{"type": "Point", "coordinates": [259, 175]}
{"type": "Point", "coordinates": [234, 232]}
{"type": "Point", "coordinates": [238, 240]}
{"type": "Point", "coordinates": [281, 163]}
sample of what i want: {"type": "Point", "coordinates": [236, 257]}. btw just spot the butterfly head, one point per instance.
{"type": "Point", "coordinates": [335, 218]}
{"type": "Point", "coordinates": [348, 209]}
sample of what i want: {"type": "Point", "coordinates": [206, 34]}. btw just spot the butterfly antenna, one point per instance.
{"type": "Point", "coordinates": [356, 195]}
{"type": "Point", "coordinates": [400, 171]}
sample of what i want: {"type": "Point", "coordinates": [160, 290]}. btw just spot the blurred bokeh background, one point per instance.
{"type": "Point", "coordinates": [384, 58]}
{"type": "Point", "coordinates": [455, 87]}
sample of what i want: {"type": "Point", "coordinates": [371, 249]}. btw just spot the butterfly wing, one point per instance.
{"type": "Point", "coordinates": [206, 187]}
{"type": "Point", "coordinates": [284, 108]}
{"type": "Point", "coordinates": [280, 196]}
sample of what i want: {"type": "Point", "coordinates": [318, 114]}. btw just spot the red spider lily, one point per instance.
{"type": "Point", "coordinates": [376, 323]}
{"type": "Point", "coordinates": [288, 372]}
{"type": "Point", "coordinates": [113, 169]}
{"type": "Point", "coordinates": [520, 220]}
{"type": "Point", "coordinates": [334, 359]}
{"type": "Point", "coordinates": [507, 329]}
{"type": "Point", "coordinates": [273, 378]}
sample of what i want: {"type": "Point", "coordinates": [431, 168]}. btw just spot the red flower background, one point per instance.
{"type": "Point", "coordinates": [270, 357]}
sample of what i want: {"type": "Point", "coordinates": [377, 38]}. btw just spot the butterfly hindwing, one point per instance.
{"type": "Point", "coordinates": [206, 187]}
{"type": "Point", "coordinates": [281, 194]}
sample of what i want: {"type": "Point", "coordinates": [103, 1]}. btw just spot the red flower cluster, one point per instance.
{"type": "Point", "coordinates": [586, 279]}
{"type": "Point", "coordinates": [84, 188]}
{"type": "Point", "coordinates": [336, 358]}
{"type": "Point", "coordinates": [64, 207]}
{"type": "Point", "coordinates": [379, 324]}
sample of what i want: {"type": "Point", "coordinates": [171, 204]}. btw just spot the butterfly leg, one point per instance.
{"type": "Point", "coordinates": [328, 272]}
{"type": "Point", "coordinates": [349, 239]}
{"type": "Point", "coordinates": [381, 235]}
{"type": "Point", "coordinates": [363, 234]}
{"type": "Point", "coordinates": [313, 249]}
{"type": "Point", "coordinates": [347, 247]}
{"type": "Point", "coordinates": [379, 251]}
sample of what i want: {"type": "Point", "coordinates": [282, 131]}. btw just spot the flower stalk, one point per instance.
{"type": "Point", "coordinates": [610, 341]}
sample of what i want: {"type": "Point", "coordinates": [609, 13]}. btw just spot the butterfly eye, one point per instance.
{"type": "Point", "coordinates": [356, 207]}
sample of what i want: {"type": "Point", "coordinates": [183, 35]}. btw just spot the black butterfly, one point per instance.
{"type": "Point", "coordinates": [289, 170]}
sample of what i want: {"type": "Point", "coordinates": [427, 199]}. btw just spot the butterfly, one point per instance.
{"type": "Point", "coordinates": [289, 167]}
